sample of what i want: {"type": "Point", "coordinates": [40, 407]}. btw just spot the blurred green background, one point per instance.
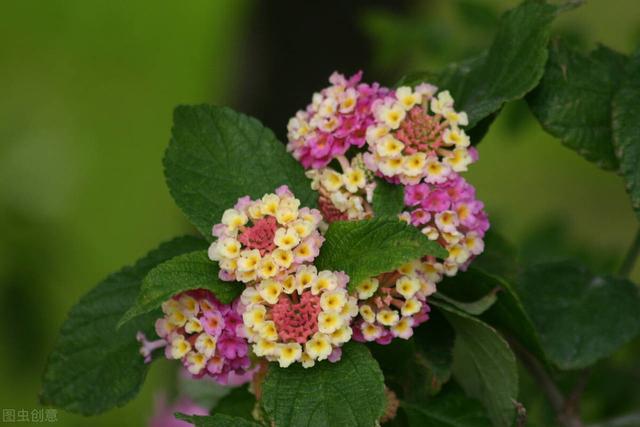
{"type": "Point", "coordinates": [86, 95]}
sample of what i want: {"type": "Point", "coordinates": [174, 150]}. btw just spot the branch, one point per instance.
{"type": "Point", "coordinates": [629, 420]}
{"type": "Point", "coordinates": [567, 409]}
{"type": "Point", "coordinates": [553, 393]}
{"type": "Point", "coordinates": [630, 258]}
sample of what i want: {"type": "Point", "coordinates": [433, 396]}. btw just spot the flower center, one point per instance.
{"type": "Point", "coordinates": [297, 321]}
{"type": "Point", "coordinates": [420, 132]}
{"type": "Point", "coordinates": [260, 236]}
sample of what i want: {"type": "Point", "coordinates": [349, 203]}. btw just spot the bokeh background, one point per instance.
{"type": "Point", "coordinates": [86, 96]}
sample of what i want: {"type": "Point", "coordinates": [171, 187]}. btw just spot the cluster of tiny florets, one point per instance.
{"type": "Point", "coordinates": [336, 119]}
{"type": "Point", "coordinates": [416, 136]}
{"type": "Point", "coordinates": [204, 334]}
{"type": "Point", "coordinates": [450, 214]}
{"type": "Point", "coordinates": [392, 304]}
{"type": "Point", "coordinates": [415, 139]}
{"type": "Point", "coordinates": [343, 195]}
{"type": "Point", "coordinates": [305, 317]}
{"type": "Point", "coordinates": [265, 238]}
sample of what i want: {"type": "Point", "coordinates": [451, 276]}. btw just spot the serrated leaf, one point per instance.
{"type": "Point", "coordinates": [448, 409]}
{"type": "Point", "coordinates": [93, 366]}
{"type": "Point", "coordinates": [508, 70]}
{"type": "Point", "coordinates": [364, 249]}
{"type": "Point", "coordinates": [573, 100]}
{"type": "Point", "coordinates": [217, 155]}
{"type": "Point", "coordinates": [185, 272]}
{"type": "Point", "coordinates": [579, 317]}
{"type": "Point", "coordinates": [626, 135]}
{"type": "Point", "coordinates": [388, 199]}
{"type": "Point", "coordinates": [484, 365]}
{"type": "Point", "coordinates": [217, 420]}
{"type": "Point", "coordinates": [347, 393]}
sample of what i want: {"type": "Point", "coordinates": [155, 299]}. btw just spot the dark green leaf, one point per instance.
{"type": "Point", "coordinates": [448, 409]}
{"type": "Point", "coordinates": [364, 249]}
{"type": "Point", "coordinates": [626, 134]}
{"type": "Point", "coordinates": [484, 365]}
{"type": "Point", "coordinates": [217, 155]}
{"type": "Point", "coordinates": [217, 420]}
{"type": "Point", "coordinates": [347, 393]}
{"type": "Point", "coordinates": [185, 272]}
{"type": "Point", "coordinates": [573, 100]}
{"type": "Point", "coordinates": [510, 68]}
{"type": "Point", "coordinates": [580, 318]}
{"type": "Point", "coordinates": [388, 199]}
{"type": "Point", "coordinates": [507, 314]}
{"type": "Point", "coordinates": [95, 367]}
{"type": "Point", "coordinates": [238, 403]}
{"type": "Point", "coordinates": [476, 307]}
{"type": "Point", "coordinates": [426, 360]}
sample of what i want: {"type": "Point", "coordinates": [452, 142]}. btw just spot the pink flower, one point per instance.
{"type": "Point", "coordinates": [458, 221]}
{"type": "Point", "coordinates": [336, 120]}
{"type": "Point", "coordinates": [204, 334]}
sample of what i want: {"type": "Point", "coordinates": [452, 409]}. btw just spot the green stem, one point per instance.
{"type": "Point", "coordinates": [630, 259]}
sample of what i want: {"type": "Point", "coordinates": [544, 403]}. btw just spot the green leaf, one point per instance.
{"type": "Point", "coordinates": [347, 393]}
{"type": "Point", "coordinates": [217, 155]}
{"type": "Point", "coordinates": [626, 135]}
{"type": "Point", "coordinates": [484, 365]}
{"type": "Point", "coordinates": [185, 272]}
{"type": "Point", "coordinates": [364, 249]}
{"type": "Point", "coordinates": [93, 366]}
{"type": "Point", "coordinates": [580, 318]}
{"type": "Point", "coordinates": [507, 71]}
{"type": "Point", "coordinates": [573, 100]}
{"type": "Point", "coordinates": [388, 199]}
{"type": "Point", "coordinates": [217, 420]}
{"type": "Point", "coordinates": [426, 360]}
{"type": "Point", "coordinates": [507, 314]}
{"type": "Point", "coordinates": [448, 409]}
{"type": "Point", "coordinates": [238, 403]}
{"type": "Point", "coordinates": [476, 307]}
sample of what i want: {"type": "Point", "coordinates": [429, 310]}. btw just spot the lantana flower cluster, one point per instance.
{"type": "Point", "coordinates": [265, 238]}
{"type": "Point", "coordinates": [416, 136]}
{"type": "Point", "coordinates": [346, 194]}
{"type": "Point", "coordinates": [204, 334]}
{"type": "Point", "coordinates": [415, 139]}
{"type": "Point", "coordinates": [305, 317]}
{"type": "Point", "coordinates": [450, 214]}
{"type": "Point", "coordinates": [291, 312]}
{"type": "Point", "coordinates": [336, 119]}
{"type": "Point", "coordinates": [392, 304]}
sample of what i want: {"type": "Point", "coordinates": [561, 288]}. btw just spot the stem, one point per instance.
{"type": "Point", "coordinates": [553, 393]}
{"type": "Point", "coordinates": [629, 420]}
{"type": "Point", "coordinates": [630, 258]}
{"type": "Point", "coordinates": [567, 410]}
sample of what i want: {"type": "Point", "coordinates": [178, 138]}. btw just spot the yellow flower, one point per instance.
{"type": "Point", "coordinates": [270, 290]}
{"type": "Point", "coordinates": [388, 317]}
{"type": "Point", "coordinates": [367, 288]}
{"type": "Point", "coordinates": [286, 238]}
{"type": "Point", "coordinates": [407, 98]}
{"type": "Point", "coordinates": [288, 353]}
{"type": "Point", "coordinates": [329, 322]}
{"type": "Point", "coordinates": [318, 347]}
{"type": "Point", "coordinates": [234, 219]}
